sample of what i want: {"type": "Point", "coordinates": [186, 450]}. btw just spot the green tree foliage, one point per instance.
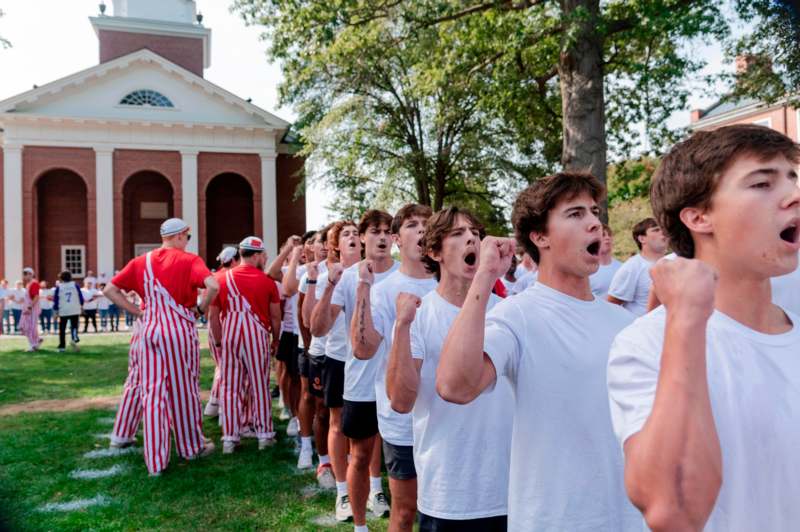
{"type": "Point", "coordinates": [4, 43]}
{"type": "Point", "coordinates": [630, 179]}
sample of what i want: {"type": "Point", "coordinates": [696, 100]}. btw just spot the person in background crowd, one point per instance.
{"type": "Point", "coordinates": [113, 317]}
{"type": "Point", "coordinates": [46, 307]}
{"type": "Point", "coordinates": [600, 281]}
{"type": "Point", "coordinates": [3, 312]}
{"type": "Point", "coordinates": [90, 302]}
{"type": "Point", "coordinates": [102, 307]}
{"type": "Point", "coordinates": [29, 322]}
{"type": "Point", "coordinates": [527, 274]}
{"type": "Point", "coordinates": [630, 286]}
{"type": "Point", "coordinates": [90, 281]}
{"type": "Point", "coordinates": [67, 303]}
{"type": "Point", "coordinates": [510, 278]}
{"type": "Point", "coordinates": [16, 298]}
{"type": "Point", "coordinates": [133, 298]}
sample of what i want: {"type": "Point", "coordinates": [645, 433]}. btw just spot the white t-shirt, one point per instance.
{"type": "Point", "coordinates": [317, 347]}
{"type": "Point", "coordinates": [336, 345]}
{"type": "Point", "coordinates": [289, 323]}
{"type": "Point", "coordinates": [394, 427]}
{"type": "Point", "coordinates": [786, 291]}
{"type": "Point", "coordinates": [299, 272]}
{"type": "Point", "coordinates": [601, 279]}
{"type": "Point", "coordinates": [359, 375]}
{"type": "Point", "coordinates": [461, 452]}
{"type": "Point", "coordinates": [753, 385]}
{"type": "Point", "coordinates": [92, 281]}
{"type": "Point", "coordinates": [16, 298]}
{"type": "Point", "coordinates": [102, 302]}
{"type": "Point", "coordinates": [88, 294]}
{"type": "Point", "coordinates": [529, 279]}
{"type": "Point", "coordinates": [44, 302]}
{"type": "Point", "coordinates": [632, 284]}
{"type": "Point", "coordinates": [566, 464]}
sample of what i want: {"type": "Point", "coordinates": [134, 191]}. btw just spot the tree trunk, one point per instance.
{"type": "Point", "coordinates": [580, 72]}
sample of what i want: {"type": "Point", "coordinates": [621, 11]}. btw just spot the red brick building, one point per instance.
{"type": "Point", "coordinates": [91, 164]}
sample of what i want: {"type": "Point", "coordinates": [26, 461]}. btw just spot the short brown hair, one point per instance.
{"type": "Point", "coordinates": [689, 174]}
{"type": "Point", "coordinates": [409, 211]}
{"type": "Point", "coordinates": [374, 218]}
{"type": "Point", "coordinates": [535, 202]}
{"type": "Point", "coordinates": [336, 231]}
{"type": "Point", "coordinates": [641, 228]}
{"type": "Point", "coordinates": [438, 227]}
{"type": "Point", "coordinates": [607, 229]}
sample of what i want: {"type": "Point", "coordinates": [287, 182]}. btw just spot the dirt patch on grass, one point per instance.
{"type": "Point", "coordinates": [67, 405]}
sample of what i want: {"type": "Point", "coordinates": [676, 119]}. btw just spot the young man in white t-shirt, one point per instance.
{"type": "Point", "coordinates": [630, 285]}
{"type": "Point", "coordinates": [551, 342]}
{"type": "Point", "coordinates": [600, 281]}
{"type": "Point", "coordinates": [462, 474]}
{"type": "Point", "coordinates": [371, 336]}
{"type": "Point", "coordinates": [358, 413]}
{"type": "Point", "coordinates": [46, 307]}
{"type": "Point", "coordinates": [704, 390]}
{"type": "Point", "coordinates": [312, 401]}
{"type": "Point", "coordinates": [527, 273]}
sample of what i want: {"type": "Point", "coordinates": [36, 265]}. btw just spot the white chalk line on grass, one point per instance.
{"type": "Point", "coordinates": [105, 453]}
{"type": "Point", "coordinates": [79, 504]}
{"type": "Point", "coordinates": [89, 474]}
{"type": "Point", "coordinates": [106, 420]}
{"type": "Point", "coordinates": [101, 436]}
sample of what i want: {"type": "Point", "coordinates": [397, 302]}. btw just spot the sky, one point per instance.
{"type": "Point", "coordinates": [53, 38]}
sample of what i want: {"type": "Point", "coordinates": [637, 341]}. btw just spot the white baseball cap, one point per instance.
{"type": "Point", "coordinates": [173, 226]}
{"type": "Point", "coordinates": [227, 254]}
{"type": "Point", "coordinates": [252, 243]}
{"type": "Point", "coordinates": [27, 269]}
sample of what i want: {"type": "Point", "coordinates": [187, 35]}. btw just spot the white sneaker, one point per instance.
{"type": "Point", "coordinates": [229, 446]}
{"type": "Point", "coordinates": [377, 503]}
{"type": "Point", "coordinates": [305, 460]}
{"type": "Point", "coordinates": [293, 428]}
{"type": "Point", "coordinates": [212, 409]}
{"type": "Point", "coordinates": [285, 414]}
{"type": "Point", "coordinates": [117, 444]}
{"type": "Point", "coordinates": [263, 443]}
{"type": "Point", "coordinates": [343, 510]}
{"type": "Point", "coordinates": [325, 477]}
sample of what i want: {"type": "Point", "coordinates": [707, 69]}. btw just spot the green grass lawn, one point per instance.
{"type": "Point", "coordinates": [249, 490]}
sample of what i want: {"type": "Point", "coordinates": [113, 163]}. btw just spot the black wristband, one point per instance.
{"type": "Point", "coordinates": [311, 281]}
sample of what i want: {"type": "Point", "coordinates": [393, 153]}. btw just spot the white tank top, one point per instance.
{"type": "Point", "coordinates": [69, 303]}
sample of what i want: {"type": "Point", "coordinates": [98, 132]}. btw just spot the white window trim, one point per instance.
{"type": "Point", "coordinates": [82, 249]}
{"type": "Point", "coordinates": [142, 248]}
{"type": "Point", "coordinates": [763, 122]}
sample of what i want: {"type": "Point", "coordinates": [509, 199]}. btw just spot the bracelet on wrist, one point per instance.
{"type": "Point", "coordinates": [311, 281]}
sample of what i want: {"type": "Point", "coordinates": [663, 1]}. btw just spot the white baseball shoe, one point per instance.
{"type": "Point", "coordinates": [305, 460]}
{"type": "Point", "coordinates": [293, 428]}
{"type": "Point", "coordinates": [378, 504]}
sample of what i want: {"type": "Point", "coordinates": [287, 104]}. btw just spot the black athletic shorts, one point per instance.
{"type": "Point", "coordinates": [484, 524]}
{"type": "Point", "coordinates": [359, 419]}
{"type": "Point", "coordinates": [333, 382]}
{"type": "Point", "coordinates": [399, 461]}
{"type": "Point", "coordinates": [287, 352]}
{"type": "Point", "coordinates": [316, 365]}
{"type": "Point", "coordinates": [302, 362]}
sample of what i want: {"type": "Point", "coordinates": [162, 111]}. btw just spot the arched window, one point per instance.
{"type": "Point", "coordinates": [146, 97]}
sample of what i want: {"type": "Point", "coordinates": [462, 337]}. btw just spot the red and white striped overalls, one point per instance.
{"type": "Point", "coordinates": [170, 366]}
{"type": "Point", "coordinates": [215, 354]}
{"type": "Point", "coordinates": [129, 412]}
{"type": "Point", "coordinates": [245, 358]}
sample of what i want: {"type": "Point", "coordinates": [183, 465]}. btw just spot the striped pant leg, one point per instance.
{"type": "Point", "coordinates": [155, 413]}
{"type": "Point", "coordinates": [183, 390]}
{"type": "Point", "coordinates": [214, 398]}
{"type": "Point", "coordinates": [129, 412]}
{"type": "Point", "coordinates": [256, 359]}
{"type": "Point", "coordinates": [231, 417]}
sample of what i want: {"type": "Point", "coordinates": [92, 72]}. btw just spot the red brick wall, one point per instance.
{"type": "Point", "coordinates": [61, 201]}
{"type": "Point", "coordinates": [37, 161]}
{"type": "Point", "coordinates": [210, 165]}
{"type": "Point", "coordinates": [229, 213]}
{"type": "Point", "coordinates": [184, 51]}
{"type": "Point", "coordinates": [130, 162]}
{"type": "Point", "coordinates": [140, 187]}
{"type": "Point", "coordinates": [2, 227]}
{"type": "Point", "coordinates": [291, 210]}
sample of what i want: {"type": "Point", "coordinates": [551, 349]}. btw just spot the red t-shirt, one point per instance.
{"type": "Point", "coordinates": [33, 289]}
{"type": "Point", "coordinates": [179, 272]}
{"type": "Point", "coordinates": [257, 288]}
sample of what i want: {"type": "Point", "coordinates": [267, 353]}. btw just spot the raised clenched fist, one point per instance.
{"type": "Point", "coordinates": [335, 273]}
{"type": "Point", "coordinates": [297, 251]}
{"type": "Point", "coordinates": [407, 305]}
{"type": "Point", "coordinates": [365, 271]}
{"type": "Point", "coordinates": [685, 286]}
{"type": "Point", "coordinates": [312, 270]}
{"type": "Point", "coordinates": [291, 242]}
{"type": "Point", "coordinates": [496, 254]}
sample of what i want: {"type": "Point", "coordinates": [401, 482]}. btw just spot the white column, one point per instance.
{"type": "Point", "coordinates": [104, 207]}
{"type": "Point", "coordinates": [12, 212]}
{"type": "Point", "coordinates": [189, 193]}
{"type": "Point", "coordinates": [269, 202]}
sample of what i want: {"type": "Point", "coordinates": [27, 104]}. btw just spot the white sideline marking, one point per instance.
{"type": "Point", "coordinates": [105, 453]}
{"type": "Point", "coordinates": [79, 504]}
{"type": "Point", "coordinates": [88, 474]}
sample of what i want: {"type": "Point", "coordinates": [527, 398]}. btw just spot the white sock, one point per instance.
{"type": "Point", "coordinates": [375, 485]}
{"type": "Point", "coordinates": [341, 488]}
{"type": "Point", "coordinates": [305, 443]}
{"type": "Point", "coordinates": [361, 528]}
{"type": "Point", "coordinates": [324, 459]}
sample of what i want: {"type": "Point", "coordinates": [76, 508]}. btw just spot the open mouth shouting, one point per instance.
{"type": "Point", "coordinates": [382, 246]}
{"type": "Point", "coordinates": [791, 233]}
{"type": "Point", "coordinates": [470, 258]}
{"type": "Point", "coordinates": [594, 248]}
